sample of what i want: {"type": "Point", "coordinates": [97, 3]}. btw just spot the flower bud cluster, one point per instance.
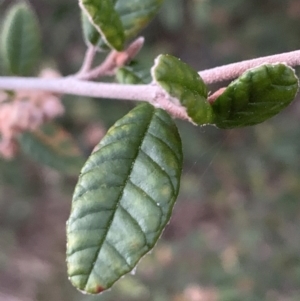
{"type": "Point", "coordinates": [26, 110]}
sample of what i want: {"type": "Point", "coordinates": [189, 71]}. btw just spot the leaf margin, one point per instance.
{"type": "Point", "coordinates": [100, 287]}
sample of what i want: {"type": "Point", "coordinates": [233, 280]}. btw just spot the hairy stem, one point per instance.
{"type": "Point", "coordinates": [150, 93]}
{"type": "Point", "coordinates": [104, 69]}
{"type": "Point", "coordinates": [73, 86]}
{"type": "Point", "coordinates": [231, 71]}
{"type": "Point", "coordinates": [113, 60]}
{"type": "Point", "coordinates": [88, 60]}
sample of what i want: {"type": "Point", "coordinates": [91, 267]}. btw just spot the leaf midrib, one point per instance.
{"type": "Point", "coordinates": [118, 201]}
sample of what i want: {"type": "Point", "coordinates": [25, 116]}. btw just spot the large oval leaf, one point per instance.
{"type": "Point", "coordinates": [257, 95]}
{"type": "Point", "coordinates": [20, 40]}
{"type": "Point", "coordinates": [102, 14]}
{"type": "Point", "coordinates": [123, 198]}
{"type": "Point", "coordinates": [179, 80]}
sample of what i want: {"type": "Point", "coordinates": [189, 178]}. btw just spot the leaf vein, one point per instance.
{"type": "Point", "coordinates": [144, 192]}
{"type": "Point", "coordinates": [93, 188]}
{"type": "Point", "coordinates": [169, 147]}
{"type": "Point", "coordinates": [81, 249]}
{"type": "Point", "coordinates": [117, 252]}
{"type": "Point", "coordinates": [136, 223]}
{"type": "Point", "coordinates": [119, 198]}
{"type": "Point", "coordinates": [159, 167]}
{"type": "Point", "coordinates": [89, 213]}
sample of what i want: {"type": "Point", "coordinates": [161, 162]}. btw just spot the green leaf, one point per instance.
{"type": "Point", "coordinates": [20, 40]}
{"type": "Point", "coordinates": [102, 14]}
{"type": "Point", "coordinates": [257, 95]}
{"type": "Point", "coordinates": [136, 14]}
{"type": "Point", "coordinates": [53, 146]}
{"type": "Point", "coordinates": [90, 33]}
{"type": "Point", "coordinates": [126, 75]}
{"type": "Point", "coordinates": [180, 81]}
{"type": "Point", "coordinates": [123, 198]}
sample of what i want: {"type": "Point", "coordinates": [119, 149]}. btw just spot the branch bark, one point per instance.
{"type": "Point", "coordinates": [73, 86]}
{"type": "Point", "coordinates": [150, 93]}
{"type": "Point", "coordinates": [231, 71]}
{"type": "Point", "coordinates": [68, 85]}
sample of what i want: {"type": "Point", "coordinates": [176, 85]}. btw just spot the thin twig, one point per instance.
{"type": "Point", "coordinates": [106, 68]}
{"type": "Point", "coordinates": [149, 93]}
{"type": "Point", "coordinates": [231, 71]}
{"type": "Point", "coordinates": [211, 98]}
{"type": "Point", "coordinates": [87, 61]}
{"type": "Point", "coordinates": [113, 60]}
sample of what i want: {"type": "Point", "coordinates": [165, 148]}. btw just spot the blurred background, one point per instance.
{"type": "Point", "coordinates": [235, 230]}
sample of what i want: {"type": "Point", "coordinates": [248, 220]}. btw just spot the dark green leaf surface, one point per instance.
{"type": "Point", "coordinates": [256, 96]}
{"type": "Point", "coordinates": [53, 146]}
{"type": "Point", "coordinates": [136, 14]}
{"type": "Point", "coordinates": [126, 75]}
{"type": "Point", "coordinates": [20, 40]}
{"type": "Point", "coordinates": [123, 199]}
{"type": "Point", "coordinates": [102, 14]}
{"type": "Point", "coordinates": [90, 33]}
{"type": "Point", "coordinates": [179, 80]}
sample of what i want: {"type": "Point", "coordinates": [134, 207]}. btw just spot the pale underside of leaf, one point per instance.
{"type": "Point", "coordinates": [123, 199]}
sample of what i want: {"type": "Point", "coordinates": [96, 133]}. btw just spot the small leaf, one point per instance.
{"type": "Point", "coordinates": [180, 81]}
{"type": "Point", "coordinates": [126, 75]}
{"type": "Point", "coordinates": [136, 14]}
{"type": "Point", "coordinates": [20, 40]}
{"type": "Point", "coordinates": [257, 95]}
{"type": "Point", "coordinates": [123, 198]}
{"type": "Point", "coordinates": [102, 14]}
{"type": "Point", "coordinates": [53, 146]}
{"type": "Point", "coordinates": [90, 33]}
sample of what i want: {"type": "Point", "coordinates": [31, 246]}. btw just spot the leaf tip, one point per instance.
{"type": "Point", "coordinates": [99, 289]}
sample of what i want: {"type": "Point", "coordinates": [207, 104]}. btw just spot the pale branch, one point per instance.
{"type": "Point", "coordinates": [104, 69]}
{"type": "Point", "coordinates": [88, 61]}
{"type": "Point", "coordinates": [232, 71]}
{"type": "Point", "coordinates": [68, 85]}
{"type": "Point", "coordinates": [73, 86]}
{"type": "Point", "coordinates": [114, 60]}
{"type": "Point", "coordinates": [149, 93]}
